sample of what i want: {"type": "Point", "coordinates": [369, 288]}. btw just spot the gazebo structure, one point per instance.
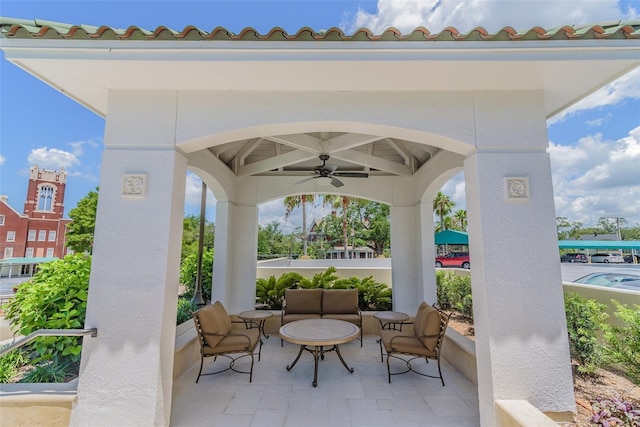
{"type": "Point", "coordinates": [250, 114]}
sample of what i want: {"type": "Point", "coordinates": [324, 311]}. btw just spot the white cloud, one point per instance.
{"type": "Point", "coordinates": [2, 159]}
{"type": "Point", "coordinates": [193, 196]}
{"type": "Point", "coordinates": [274, 210]}
{"type": "Point", "coordinates": [493, 15]}
{"type": "Point", "coordinates": [596, 178]}
{"type": "Point", "coordinates": [616, 92]}
{"type": "Point", "coordinates": [53, 159]}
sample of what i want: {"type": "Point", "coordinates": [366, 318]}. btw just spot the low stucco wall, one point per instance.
{"type": "Point", "coordinates": [378, 268]}
{"type": "Point", "coordinates": [604, 296]}
{"type": "Point", "coordinates": [37, 404]}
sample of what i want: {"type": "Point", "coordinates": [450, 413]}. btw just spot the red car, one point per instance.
{"type": "Point", "coordinates": [454, 259]}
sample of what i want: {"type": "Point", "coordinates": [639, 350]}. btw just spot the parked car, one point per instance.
{"type": "Point", "coordinates": [629, 259]}
{"type": "Point", "coordinates": [611, 280]}
{"type": "Point", "coordinates": [574, 257]}
{"type": "Point", "coordinates": [454, 259]}
{"type": "Point", "coordinates": [607, 257]}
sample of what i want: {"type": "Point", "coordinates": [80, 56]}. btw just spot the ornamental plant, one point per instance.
{"type": "Point", "coordinates": [585, 321]}
{"type": "Point", "coordinates": [614, 412]}
{"type": "Point", "coordinates": [622, 344]}
{"type": "Point", "coordinates": [55, 298]}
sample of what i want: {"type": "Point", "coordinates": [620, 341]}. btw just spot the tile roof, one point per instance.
{"type": "Point", "coordinates": [41, 29]}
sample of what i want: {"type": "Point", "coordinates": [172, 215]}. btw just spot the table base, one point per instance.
{"type": "Point", "coordinates": [318, 352]}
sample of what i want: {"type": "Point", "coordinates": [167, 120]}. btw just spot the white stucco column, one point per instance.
{"type": "Point", "coordinates": [521, 336]}
{"type": "Point", "coordinates": [245, 238]}
{"type": "Point", "coordinates": [223, 248]}
{"type": "Point", "coordinates": [236, 246]}
{"type": "Point", "coordinates": [404, 259]}
{"type": "Point", "coordinates": [426, 255]}
{"type": "Point", "coordinates": [126, 371]}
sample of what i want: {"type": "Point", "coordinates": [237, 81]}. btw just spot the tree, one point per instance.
{"type": "Point", "coordinates": [442, 206]}
{"type": "Point", "coordinates": [379, 227]}
{"type": "Point", "coordinates": [190, 235]}
{"type": "Point", "coordinates": [292, 202]}
{"type": "Point", "coordinates": [342, 202]}
{"type": "Point", "coordinates": [81, 229]}
{"type": "Point", "coordinates": [271, 241]}
{"type": "Point", "coordinates": [460, 219]}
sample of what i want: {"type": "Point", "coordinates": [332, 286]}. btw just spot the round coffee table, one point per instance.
{"type": "Point", "coordinates": [314, 335]}
{"type": "Point", "coordinates": [391, 319]}
{"type": "Point", "coordinates": [255, 317]}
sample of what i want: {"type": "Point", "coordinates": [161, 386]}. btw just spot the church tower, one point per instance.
{"type": "Point", "coordinates": [45, 194]}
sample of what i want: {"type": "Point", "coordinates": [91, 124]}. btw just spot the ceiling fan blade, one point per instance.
{"type": "Point", "coordinates": [336, 182]}
{"type": "Point", "coordinates": [352, 174]}
{"type": "Point", "coordinates": [330, 168]}
{"type": "Point", "coordinates": [305, 180]}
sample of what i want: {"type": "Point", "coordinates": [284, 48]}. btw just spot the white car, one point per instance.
{"type": "Point", "coordinates": [607, 257]}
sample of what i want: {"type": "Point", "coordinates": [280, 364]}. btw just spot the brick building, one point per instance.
{"type": "Point", "coordinates": [40, 230]}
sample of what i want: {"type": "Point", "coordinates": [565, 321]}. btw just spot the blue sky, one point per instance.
{"type": "Point", "coordinates": [594, 145]}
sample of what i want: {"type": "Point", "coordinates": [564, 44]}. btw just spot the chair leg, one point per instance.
{"type": "Point", "coordinates": [200, 371]}
{"type": "Point", "coordinates": [361, 340]}
{"type": "Point", "coordinates": [260, 350]}
{"type": "Point", "coordinates": [388, 368]}
{"type": "Point", "coordinates": [381, 357]}
{"type": "Point", "coordinates": [440, 372]}
{"type": "Point", "coordinates": [251, 370]}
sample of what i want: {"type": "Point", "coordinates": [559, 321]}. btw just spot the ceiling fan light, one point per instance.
{"type": "Point", "coordinates": [324, 180]}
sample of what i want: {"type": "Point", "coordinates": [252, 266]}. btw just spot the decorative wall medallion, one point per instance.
{"type": "Point", "coordinates": [516, 189]}
{"type": "Point", "coordinates": [134, 185]}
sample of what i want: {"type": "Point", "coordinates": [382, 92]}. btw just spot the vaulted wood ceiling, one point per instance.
{"type": "Point", "coordinates": [298, 154]}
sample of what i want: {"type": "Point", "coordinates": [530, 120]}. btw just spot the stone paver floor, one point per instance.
{"type": "Point", "coordinates": [278, 397]}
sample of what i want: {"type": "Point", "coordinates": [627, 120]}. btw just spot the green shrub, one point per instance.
{"type": "Point", "coordinates": [185, 310]}
{"type": "Point", "coordinates": [585, 320]}
{"type": "Point", "coordinates": [454, 293]}
{"type": "Point", "coordinates": [189, 274]}
{"type": "Point", "coordinates": [371, 294]}
{"type": "Point", "coordinates": [10, 364]}
{"type": "Point", "coordinates": [622, 344]}
{"type": "Point", "coordinates": [55, 298]}
{"type": "Point", "coordinates": [50, 371]}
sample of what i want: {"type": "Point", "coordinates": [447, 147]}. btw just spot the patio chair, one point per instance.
{"type": "Point", "coordinates": [217, 338]}
{"type": "Point", "coordinates": [425, 341]}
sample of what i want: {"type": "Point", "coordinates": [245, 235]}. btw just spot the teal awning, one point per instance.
{"type": "Point", "coordinates": [25, 261]}
{"type": "Point", "coordinates": [599, 244]}
{"type": "Point", "coordinates": [451, 237]}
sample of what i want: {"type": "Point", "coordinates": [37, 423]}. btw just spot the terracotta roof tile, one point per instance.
{"type": "Point", "coordinates": [41, 29]}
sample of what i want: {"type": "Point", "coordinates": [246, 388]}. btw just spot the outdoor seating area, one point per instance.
{"type": "Point", "coordinates": [278, 397]}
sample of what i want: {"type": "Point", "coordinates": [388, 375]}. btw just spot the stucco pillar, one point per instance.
{"type": "Point", "coordinates": [223, 247]}
{"type": "Point", "coordinates": [126, 371]}
{"type": "Point", "coordinates": [245, 238]}
{"type": "Point", "coordinates": [404, 259]}
{"type": "Point", "coordinates": [521, 336]}
{"type": "Point", "coordinates": [236, 247]}
{"type": "Point", "coordinates": [427, 254]}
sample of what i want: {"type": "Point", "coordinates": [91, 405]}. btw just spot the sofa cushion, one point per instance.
{"type": "Point", "coordinates": [353, 318]}
{"type": "Point", "coordinates": [303, 301]}
{"type": "Point", "coordinates": [293, 317]}
{"type": "Point", "coordinates": [214, 319]}
{"type": "Point", "coordinates": [340, 301]}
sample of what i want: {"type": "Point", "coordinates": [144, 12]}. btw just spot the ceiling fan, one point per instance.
{"type": "Point", "coordinates": [326, 174]}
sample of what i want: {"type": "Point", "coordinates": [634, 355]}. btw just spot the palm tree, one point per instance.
{"type": "Point", "coordinates": [292, 202]}
{"type": "Point", "coordinates": [337, 201]}
{"type": "Point", "coordinates": [460, 217]}
{"type": "Point", "coordinates": [442, 206]}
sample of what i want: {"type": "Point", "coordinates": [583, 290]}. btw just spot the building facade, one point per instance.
{"type": "Point", "coordinates": [40, 231]}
